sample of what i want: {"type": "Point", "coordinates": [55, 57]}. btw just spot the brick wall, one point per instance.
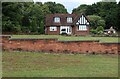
{"type": "Point", "coordinates": [75, 31]}
{"type": "Point", "coordinates": [53, 32]}
{"type": "Point", "coordinates": [78, 32]}
{"type": "Point", "coordinates": [53, 45]}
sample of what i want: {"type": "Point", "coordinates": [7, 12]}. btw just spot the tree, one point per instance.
{"type": "Point", "coordinates": [56, 8]}
{"type": "Point", "coordinates": [59, 8]}
{"type": "Point", "coordinates": [96, 21]}
{"type": "Point", "coordinates": [99, 29]}
{"type": "Point", "coordinates": [118, 17]}
{"type": "Point", "coordinates": [12, 15]}
{"type": "Point", "coordinates": [81, 9]}
{"type": "Point", "coordinates": [92, 9]}
{"type": "Point", "coordinates": [27, 17]}
{"type": "Point", "coordinates": [101, 23]}
{"type": "Point", "coordinates": [108, 11]}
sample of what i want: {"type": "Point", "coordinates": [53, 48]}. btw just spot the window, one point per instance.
{"type": "Point", "coordinates": [53, 28]}
{"type": "Point", "coordinates": [82, 27]}
{"type": "Point", "coordinates": [69, 19]}
{"type": "Point", "coordinates": [57, 19]}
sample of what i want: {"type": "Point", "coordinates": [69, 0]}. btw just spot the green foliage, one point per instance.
{"type": "Point", "coordinates": [93, 31]}
{"type": "Point", "coordinates": [11, 17]}
{"type": "Point", "coordinates": [118, 17]}
{"type": "Point", "coordinates": [27, 17]}
{"type": "Point", "coordinates": [81, 9]}
{"type": "Point", "coordinates": [99, 29]}
{"type": "Point", "coordinates": [96, 21]}
{"type": "Point", "coordinates": [59, 8]}
{"type": "Point", "coordinates": [101, 23]}
{"type": "Point", "coordinates": [56, 8]}
{"type": "Point", "coordinates": [109, 11]}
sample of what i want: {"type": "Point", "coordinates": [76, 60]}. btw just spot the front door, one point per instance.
{"type": "Point", "coordinates": [66, 30]}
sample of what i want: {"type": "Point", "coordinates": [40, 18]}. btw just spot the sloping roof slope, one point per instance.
{"type": "Point", "coordinates": [63, 19]}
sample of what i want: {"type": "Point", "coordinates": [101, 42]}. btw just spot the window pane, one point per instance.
{"type": "Point", "coordinates": [53, 28]}
{"type": "Point", "coordinates": [56, 19]}
{"type": "Point", "coordinates": [69, 19]}
{"type": "Point", "coordinates": [82, 27]}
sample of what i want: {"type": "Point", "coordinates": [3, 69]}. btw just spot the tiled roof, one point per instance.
{"type": "Point", "coordinates": [63, 19]}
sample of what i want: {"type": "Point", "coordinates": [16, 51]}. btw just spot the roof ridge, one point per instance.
{"type": "Point", "coordinates": [62, 14]}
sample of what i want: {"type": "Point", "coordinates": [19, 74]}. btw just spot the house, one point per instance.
{"type": "Point", "coordinates": [109, 31]}
{"type": "Point", "coordinates": [71, 24]}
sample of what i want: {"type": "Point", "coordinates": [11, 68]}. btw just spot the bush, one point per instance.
{"type": "Point", "coordinates": [99, 30]}
{"type": "Point", "coordinates": [93, 31]}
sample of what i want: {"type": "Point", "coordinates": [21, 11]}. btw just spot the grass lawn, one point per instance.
{"type": "Point", "coordinates": [102, 39]}
{"type": "Point", "coordinates": [29, 64]}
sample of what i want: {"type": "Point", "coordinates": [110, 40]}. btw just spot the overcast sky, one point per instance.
{"type": "Point", "coordinates": [70, 4]}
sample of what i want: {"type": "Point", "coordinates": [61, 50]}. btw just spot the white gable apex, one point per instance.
{"type": "Point", "coordinates": [82, 20]}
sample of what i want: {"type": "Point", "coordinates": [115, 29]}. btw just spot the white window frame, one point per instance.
{"type": "Point", "coordinates": [53, 28]}
{"type": "Point", "coordinates": [57, 19]}
{"type": "Point", "coordinates": [82, 27]}
{"type": "Point", "coordinates": [69, 19]}
{"type": "Point", "coordinates": [68, 29]}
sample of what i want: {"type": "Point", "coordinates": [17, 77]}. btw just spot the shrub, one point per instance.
{"type": "Point", "coordinates": [93, 31]}
{"type": "Point", "coordinates": [99, 30]}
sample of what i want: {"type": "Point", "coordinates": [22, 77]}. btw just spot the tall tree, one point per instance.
{"type": "Point", "coordinates": [56, 8]}
{"type": "Point", "coordinates": [107, 10]}
{"type": "Point", "coordinates": [118, 17]}
{"type": "Point", "coordinates": [12, 15]}
{"type": "Point", "coordinates": [96, 21]}
{"type": "Point", "coordinates": [81, 9]}
{"type": "Point", "coordinates": [27, 17]}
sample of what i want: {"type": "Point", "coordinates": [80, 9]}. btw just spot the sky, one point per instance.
{"type": "Point", "coordinates": [71, 4]}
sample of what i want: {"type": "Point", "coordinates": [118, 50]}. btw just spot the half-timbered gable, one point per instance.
{"type": "Point", "coordinates": [82, 23]}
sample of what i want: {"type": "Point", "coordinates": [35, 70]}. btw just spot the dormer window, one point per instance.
{"type": "Point", "coordinates": [69, 19]}
{"type": "Point", "coordinates": [57, 19]}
